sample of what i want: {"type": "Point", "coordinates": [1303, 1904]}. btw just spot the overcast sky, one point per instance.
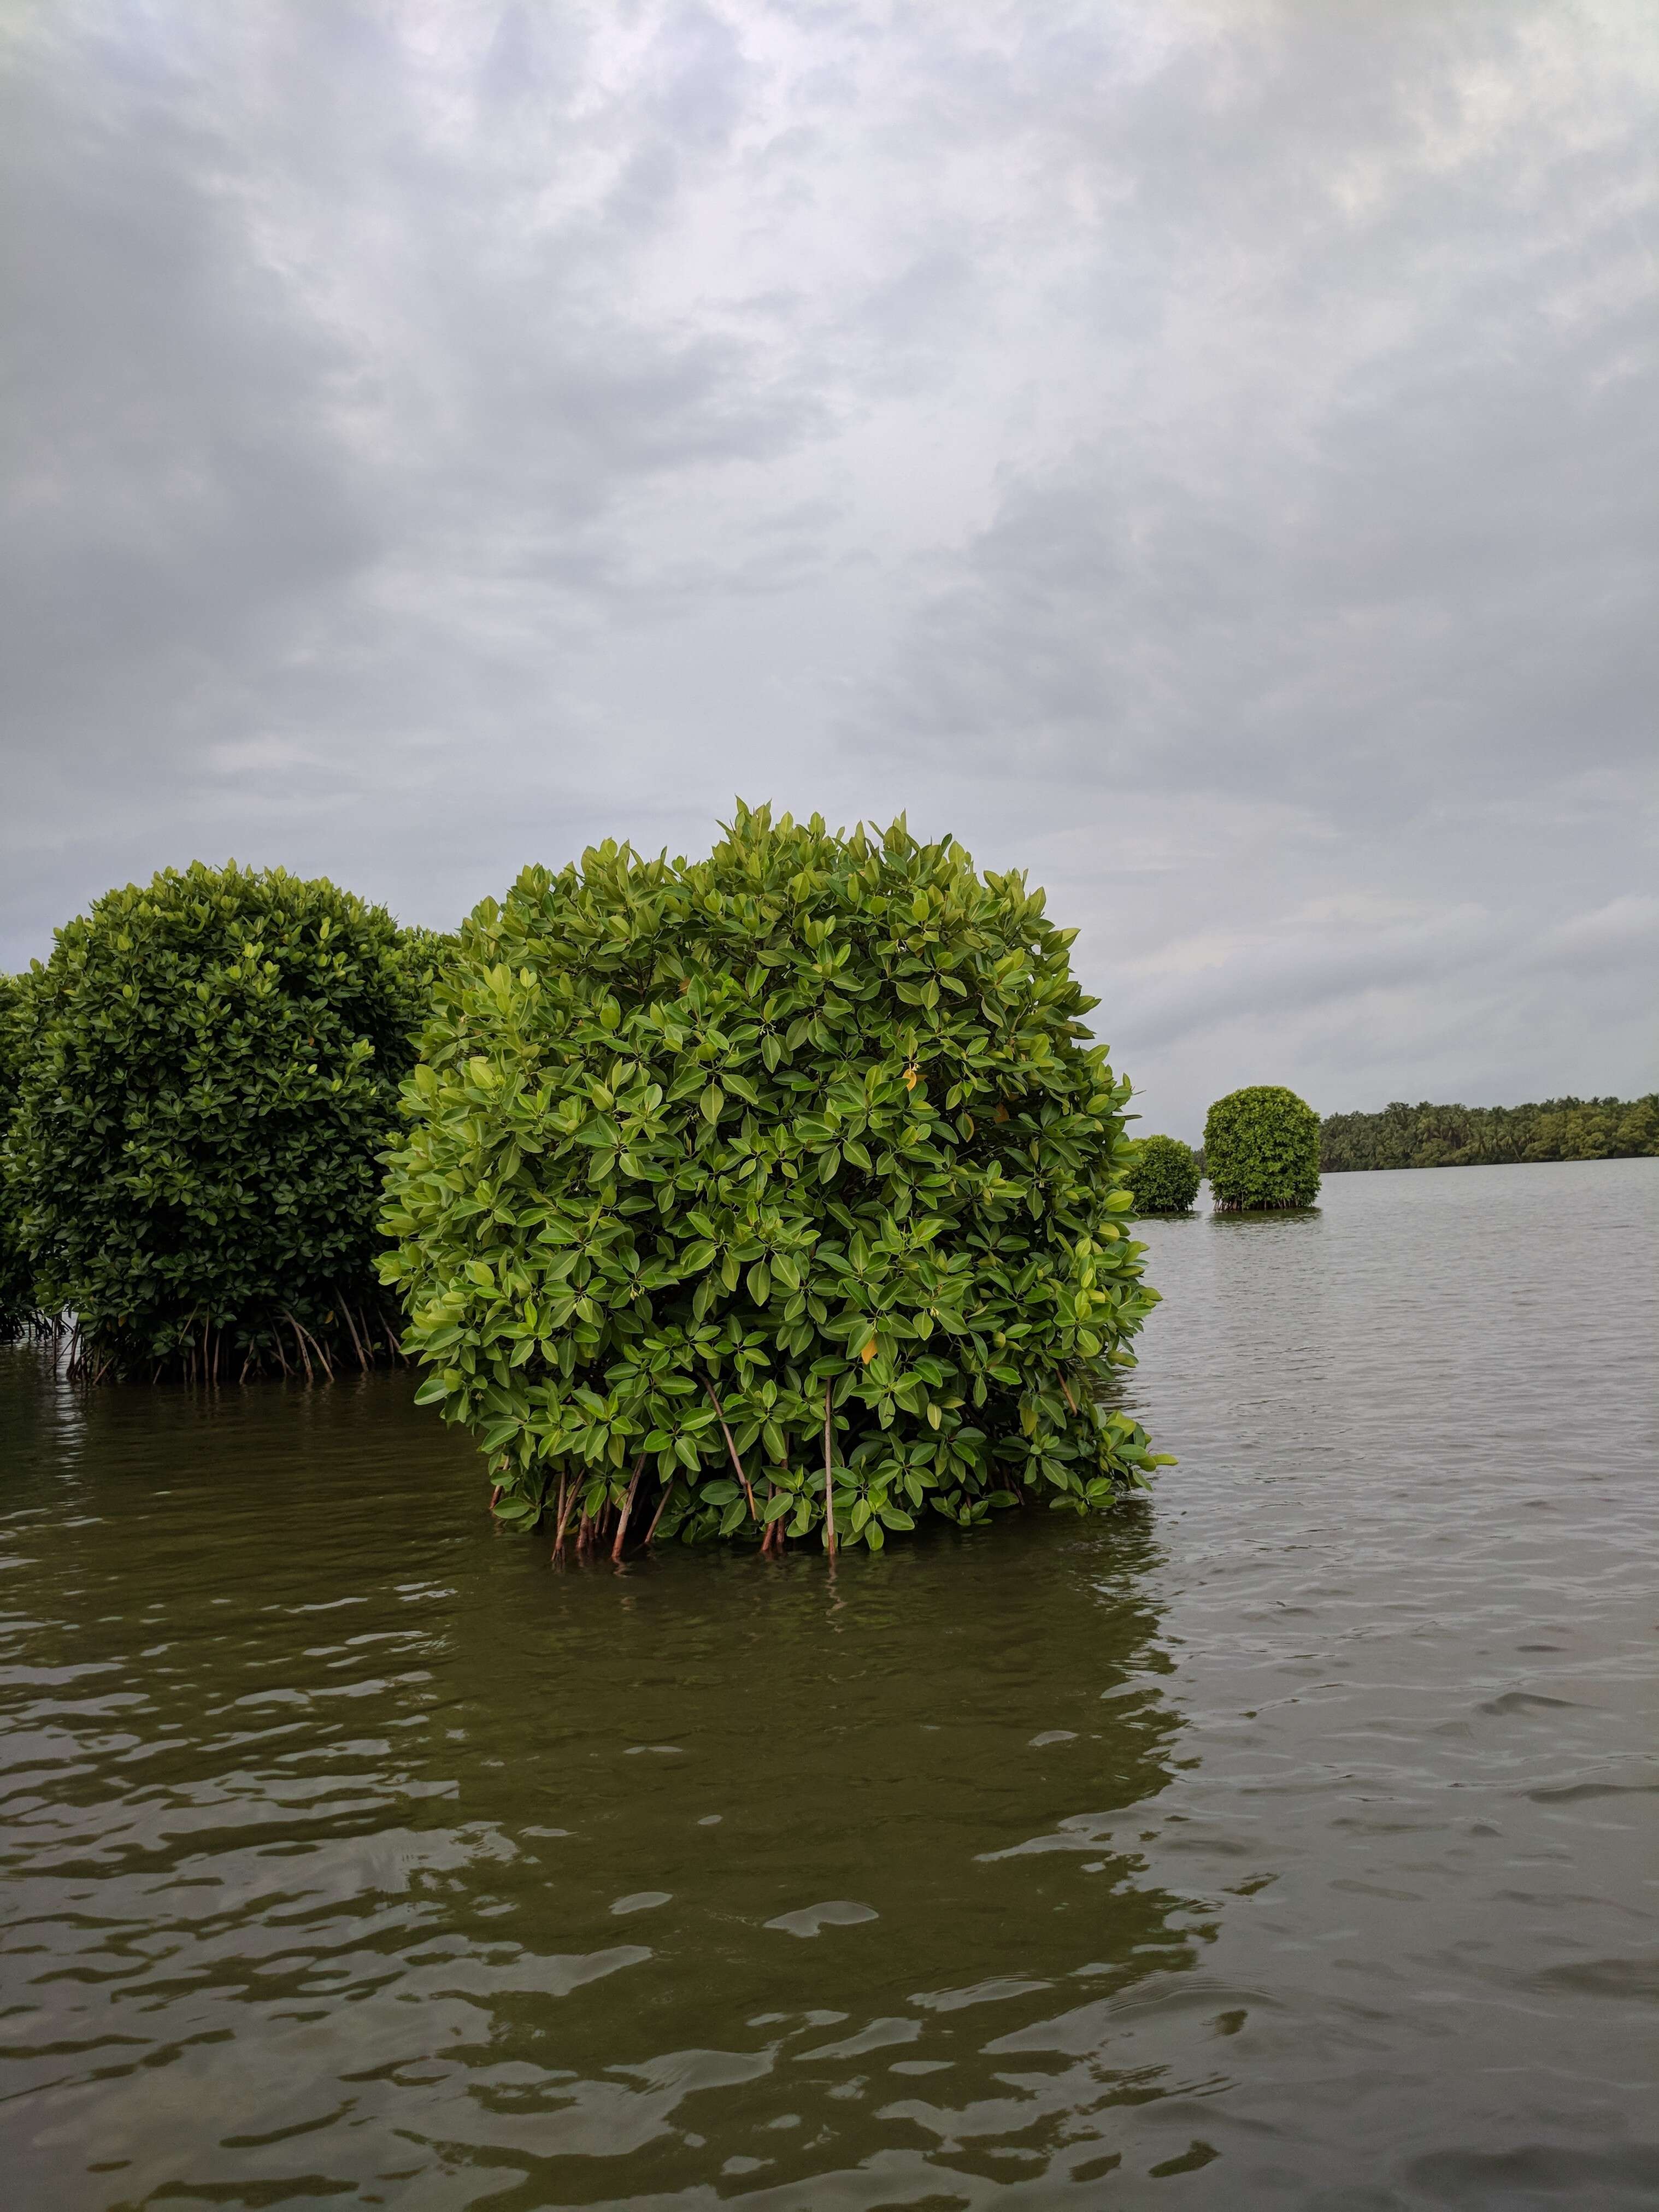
{"type": "Point", "coordinates": [1208, 455]}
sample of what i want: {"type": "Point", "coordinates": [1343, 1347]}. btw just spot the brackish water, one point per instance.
{"type": "Point", "coordinates": [1290, 1839]}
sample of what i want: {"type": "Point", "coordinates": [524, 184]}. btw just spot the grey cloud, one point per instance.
{"type": "Point", "coordinates": [1201, 453]}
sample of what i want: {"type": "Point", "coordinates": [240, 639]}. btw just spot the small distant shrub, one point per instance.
{"type": "Point", "coordinates": [213, 1067]}
{"type": "Point", "coordinates": [1262, 1151]}
{"type": "Point", "coordinates": [1163, 1175]}
{"type": "Point", "coordinates": [788, 1173]}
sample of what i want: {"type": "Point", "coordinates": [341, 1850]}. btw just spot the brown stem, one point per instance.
{"type": "Point", "coordinates": [299, 1339]}
{"type": "Point", "coordinates": [627, 1507]}
{"type": "Point", "coordinates": [323, 1359]}
{"type": "Point", "coordinates": [562, 1514]}
{"type": "Point", "coordinates": [662, 1508]}
{"type": "Point", "coordinates": [1070, 1400]}
{"type": "Point", "coordinates": [733, 1449]}
{"type": "Point", "coordinates": [829, 1489]}
{"type": "Point", "coordinates": [362, 1357]}
{"type": "Point", "coordinates": [327, 1363]}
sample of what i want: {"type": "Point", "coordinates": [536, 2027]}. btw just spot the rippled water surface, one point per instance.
{"type": "Point", "coordinates": [1290, 1839]}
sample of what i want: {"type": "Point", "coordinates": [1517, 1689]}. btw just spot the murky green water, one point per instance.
{"type": "Point", "coordinates": [1291, 1840]}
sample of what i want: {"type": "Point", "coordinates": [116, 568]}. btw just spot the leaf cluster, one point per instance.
{"type": "Point", "coordinates": [1262, 1151]}
{"type": "Point", "coordinates": [1164, 1176]}
{"type": "Point", "coordinates": [210, 1067]}
{"type": "Point", "coordinates": [800, 1155]}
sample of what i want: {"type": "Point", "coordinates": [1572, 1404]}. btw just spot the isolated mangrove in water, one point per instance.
{"type": "Point", "coordinates": [1428, 1136]}
{"type": "Point", "coordinates": [1163, 1175]}
{"type": "Point", "coordinates": [1262, 1151]}
{"type": "Point", "coordinates": [774, 1194]}
{"type": "Point", "coordinates": [210, 1069]}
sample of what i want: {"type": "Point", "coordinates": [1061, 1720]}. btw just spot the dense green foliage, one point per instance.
{"type": "Point", "coordinates": [212, 1067]}
{"type": "Point", "coordinates": [17, 1299]}
{"type": "Point", "coordinates": [1262, 1151]}
{"type": "Point", "coordinates": [792, 1171]}
{"type": "Point", "coordinates": [1164, 1176]}
{"type": "Point", "coordinates": [1427, 1136]}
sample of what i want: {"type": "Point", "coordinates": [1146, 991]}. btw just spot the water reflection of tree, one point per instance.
{"type": "Point", "coordinates": [378, 1768]}
{"type": "Point", "coordinates": [962, 1735]}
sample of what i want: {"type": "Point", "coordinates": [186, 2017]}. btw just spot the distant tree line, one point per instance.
{"type": "Point", "coordinates": [1428, 1136]}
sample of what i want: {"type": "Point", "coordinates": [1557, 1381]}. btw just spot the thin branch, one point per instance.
{"type": "Point", "coordinates": [299, 1339]}
{"type": "Point", "coordinates": [323, 1355]}
{"type": "Point", "coordinates": [662, 1508]}
{"type": "Point", "coordinates": [362, 1357]}
{"type": "Point", "coordinates": [733, 1449]}
{"type": "Point", "coordinates": [627, 1507]}
{"type": "Point", "coordinates": [562, 1514]}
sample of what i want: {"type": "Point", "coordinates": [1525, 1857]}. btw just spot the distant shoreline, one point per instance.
{"type": "Point", "coordinates": [1456, 1136]}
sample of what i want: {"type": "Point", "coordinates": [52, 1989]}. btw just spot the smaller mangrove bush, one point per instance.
{"type": "Point", "coordinates": [1163, 1175]}
{"type": "Point", "coordinates": [211, 1071]}
{"type": "Point", "coordinates": [1262, 1151]}
{"type": "Point", "coordinates": [776, 1195]}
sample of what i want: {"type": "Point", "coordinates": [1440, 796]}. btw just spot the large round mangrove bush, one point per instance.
{"type": "Point", "coordinates": [213, 1067]}
{"type": "Point", "coordinates": [787, 1179]}
{"type": "Point", "coordinates": [1163, 1175]}
{"type": "Point", "coordinates": [1262, 1151]}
